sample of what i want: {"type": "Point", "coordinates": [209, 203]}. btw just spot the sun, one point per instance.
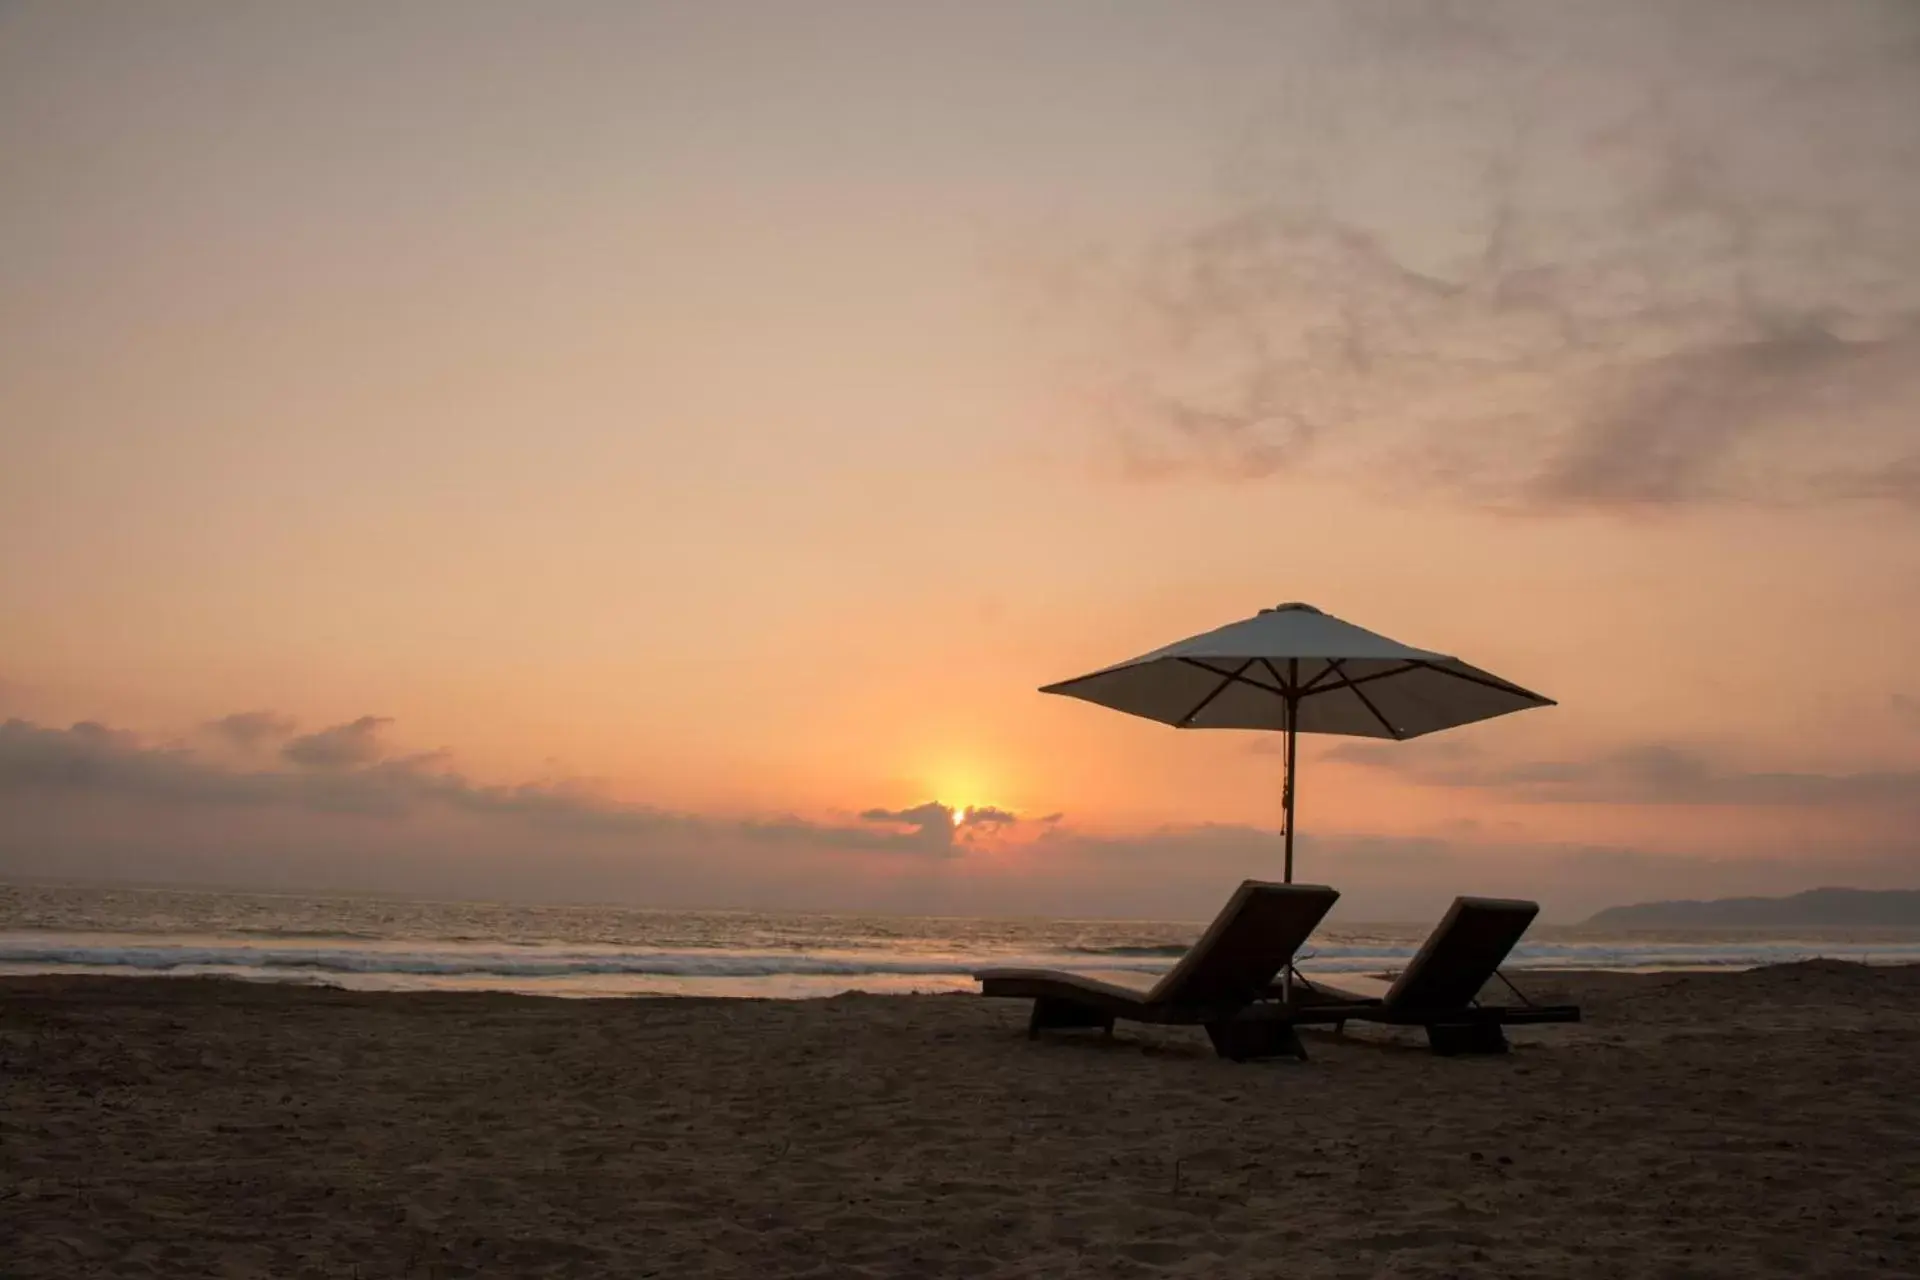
{"type": "Point", "coordinates": [963, 788]}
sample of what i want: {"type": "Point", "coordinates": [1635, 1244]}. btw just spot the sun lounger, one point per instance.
{"type": "Point", "coordinates": [1224, 983]}
{"type": "Point", "coordinates": [1439, 990]}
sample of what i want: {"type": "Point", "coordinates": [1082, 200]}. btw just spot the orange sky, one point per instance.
{"type": "Point", "coordinates": [731, 414]}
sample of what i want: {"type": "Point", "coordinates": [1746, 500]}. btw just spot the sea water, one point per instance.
{"type": "Point", "coordinates": [390, 944]}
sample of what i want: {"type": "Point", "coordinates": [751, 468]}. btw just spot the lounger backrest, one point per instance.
{"type": "Point", "coordinates": [1247, 944]}
{"type": "Point", "coordinates": [1462, 953]}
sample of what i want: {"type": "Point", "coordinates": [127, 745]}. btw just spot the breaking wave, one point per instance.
{"type": "Point", "coordinates": [548, 964]}
{"type": "Point", "coordinates": [510, 961]}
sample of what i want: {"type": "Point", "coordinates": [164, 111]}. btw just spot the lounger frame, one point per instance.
{"type": "Point", "coordinates": [1240, 1032]}
{"type": "Point", "coordinates": [1439, 990]}
{"type": "Point", "coordinates": [1223, 983]}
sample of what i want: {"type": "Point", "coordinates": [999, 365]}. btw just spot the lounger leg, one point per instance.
{"type": "Point", "coordinates": [1050, 1014]}
{"type": "Point", "coordinates": [1479, 1037]}
{"type": "Point", "coordinates": [1245, 1041]}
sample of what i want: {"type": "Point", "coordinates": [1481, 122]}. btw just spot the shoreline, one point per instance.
{"type": "Point", "coordinates": [805, 987]}
{"type": "Point", "coordinates": [1756, 1123]}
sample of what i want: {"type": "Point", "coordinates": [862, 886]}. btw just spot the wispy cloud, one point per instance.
{"type": "Point", "coordinates": [1646, 773]}
{"type": "Point", "coordinates": [1626, 257]}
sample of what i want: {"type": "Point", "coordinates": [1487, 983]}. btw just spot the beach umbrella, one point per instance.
{"type": "Point", "coordinates": [1293, 669]}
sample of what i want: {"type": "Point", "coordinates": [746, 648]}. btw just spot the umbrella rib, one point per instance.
{"type": "Point", "coordinates": [1235, 676]}
{"type": "Point", "coordinates": [1337, 668]}
{"type": "Point", "coordinates": [1348, 681]}
{"type": "Point", "coordinates": [1331, 668]}
{"type": "Point", "coordinates": [1285, 690]}
{"type": "Point", "coordinates": [1337, 664]}
{"type": "Point", "coordinates": [1487, 682]}
{"type": "Point", "coordinates": [1219, 689]}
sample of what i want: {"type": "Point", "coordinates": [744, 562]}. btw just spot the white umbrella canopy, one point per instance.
{"type": "Point", "coordinates": [1294, 669]}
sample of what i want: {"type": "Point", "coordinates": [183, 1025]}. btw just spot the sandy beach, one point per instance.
{"type": "Point", "coordinates": [1742, 1124]}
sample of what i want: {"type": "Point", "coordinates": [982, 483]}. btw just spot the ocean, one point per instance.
{"type": "Point", "coordinates": [387, 944]}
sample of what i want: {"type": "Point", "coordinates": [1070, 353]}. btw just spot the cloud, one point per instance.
{"type": "Point", "coordinates": [1621, 258]}
{"type": "Point", "coordinates": [1665, 434]}
{"type": "Point", "coordinates": [91, 757]}
{"type": "Point", "coordinates": [943, 827]}
{"type": "Point", "coordinates": [931, 824]}
{"type": "Point", "coordinates": [94, 802]}
{"type": "Point", "coordinates": [989, 817]}
{"type": "Point", "coordinates": [931, 814]}
{"type": "Point", "coordinates": [343, 745]}
{"type": "Point", "coordinates": [1898, 483]}
{"type": "Point", "coordinates": [1646, 773]}
{"type": "Point", "coordinates": [1184, 872]}
{"type": "Point", "coordinates": [249, 729]}
{"type": "Point", "coordinates": [342, 774]}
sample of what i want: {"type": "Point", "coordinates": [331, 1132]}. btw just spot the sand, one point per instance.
{"type": "Point", "coordinates": [1754, 1124]}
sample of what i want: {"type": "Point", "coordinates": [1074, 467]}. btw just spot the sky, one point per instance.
{"type": "Point", "coordinates": [653, 453]}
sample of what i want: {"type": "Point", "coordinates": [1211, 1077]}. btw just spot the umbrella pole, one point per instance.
{"type": "Point", "coordinates": [1286, 786]}
{"type": "Point", "coordinates": [1286, 807]}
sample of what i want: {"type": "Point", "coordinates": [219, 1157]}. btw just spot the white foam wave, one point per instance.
{"type": "Point", "coordinates": [547, 964]}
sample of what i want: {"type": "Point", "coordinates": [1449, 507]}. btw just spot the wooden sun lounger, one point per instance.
{"type": "Point", "coordinates": [1224, 983]}
{"type": "Point", "coordinates": [1440, 988]}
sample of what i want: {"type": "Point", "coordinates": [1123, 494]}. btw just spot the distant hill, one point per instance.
{"type": "Point", "coordinates": [1831, 908]}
